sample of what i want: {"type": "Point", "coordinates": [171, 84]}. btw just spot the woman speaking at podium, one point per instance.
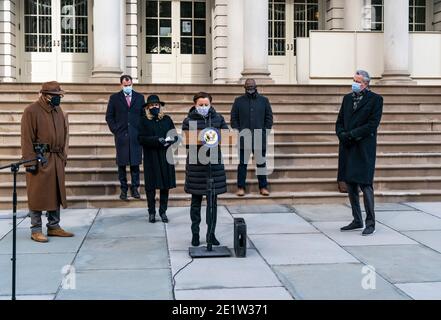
{"type": "Point", "coordinates": [202, 128]}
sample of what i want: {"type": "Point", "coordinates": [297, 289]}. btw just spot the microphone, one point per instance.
{"type": "Point", "coordinates": [41, 159]}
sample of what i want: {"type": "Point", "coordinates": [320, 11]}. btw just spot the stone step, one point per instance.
{"type": "Point", "coordinates": [225, 106]}
{"type": "Point", "coordinates": [213, 88]}
{"type": "Point", "coordinates": [301, 160]}
{"type": "Point", "coordinates": [97, 188]}
{"type": "Point", "coordinates": [101, 126]}
{"type": "Point", "coordinates": [86, 174]}
{"type": "Point", "coordinates": [178, 117]}
{"type": "Point", "coordinates": [277, 136]}
{"type": "Point", "coordinates": [227, 95]}
{"type": "Point", "coordinates": [280, 148]}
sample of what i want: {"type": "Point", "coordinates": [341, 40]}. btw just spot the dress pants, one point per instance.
{"type": "Point", "coordinates": [122, 175]}
{"type": "Point", "coordinates": [369, 206]}
{"type": "Point", "coordinates": [195, 214]}
{"type": "Point", "coordinates": [163, 201]}
{"type": "Point", "coordinates": [53, 220]}
{"type": "Point", "coordinates": [260, 159]}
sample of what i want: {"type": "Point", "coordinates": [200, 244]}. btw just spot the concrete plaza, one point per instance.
{"type": "Point", "coordinates": [294, 252]}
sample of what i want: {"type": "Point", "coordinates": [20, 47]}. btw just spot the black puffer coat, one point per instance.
{"type": "Point", "coordinates": [196, 174]}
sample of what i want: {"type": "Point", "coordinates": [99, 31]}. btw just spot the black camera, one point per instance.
{"type": "Point", "coordinates": [41, 148]}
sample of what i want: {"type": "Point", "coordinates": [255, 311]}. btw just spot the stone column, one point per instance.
{"type": "Point", "coordinates": [356, 15]}
{"type": "Point", "coordinates": [8, 54]}
{"type": "Point", "coordinates": [396, 43]}
{"type": "Point", "coordinates": [256, 41]}
{"type": "Point", "coordinates": [107, 36]}
{"type": "Point", "coordinates": [235, 48]}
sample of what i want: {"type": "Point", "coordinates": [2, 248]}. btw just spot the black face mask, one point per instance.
{"type": "Point", "coordinates": [251, 91]}
{"type": "Point", "coordinates": [55, 101]}
{"type": "Point", "coordinates": [154, 112]}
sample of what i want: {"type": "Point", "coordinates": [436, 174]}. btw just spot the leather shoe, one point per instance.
{"type": "Point", "coordinates": [368, 231]}
{"type": "Point", "coordinates": [264, 192]}
{"type": "Point", "coordinates": [352, 226]}
{"type": "Point", "coordinates": [135, 194]}
{"type": "Point", "coordinates": [123, 195]}
{"type": "Point", "coordinates": [164, 217]}
{"type": "Point", "coordinates": [240, 192]}
{"type": "Point", "coordinates": [195, 240]}
{"type": "Point", "coordinates": [39, 237]}
{"type": "Point", "coordinates": [59, 233]}
{"type": "Point", "coordinates": [152, 218]}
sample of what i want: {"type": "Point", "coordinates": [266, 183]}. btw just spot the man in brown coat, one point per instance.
{"type": "Point", "coordinates": [44, 122]}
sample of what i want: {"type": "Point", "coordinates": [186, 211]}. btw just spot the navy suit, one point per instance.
{"type": "Point", "coordinates": [123, 122]}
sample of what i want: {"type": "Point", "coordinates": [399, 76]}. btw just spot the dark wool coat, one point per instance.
{"type": "Point", "coordinates": [123, 122]}
{"type": "Point", "coordinates": [356, 162]}
{"type": "Point", "coordinates": [252, 112]}
{"type": "Point", "coordinates": [41, 123]}
{"type": "Point", "coordinates": [196, 175]}
{"type": "Point", "coordinates": [158, 172]}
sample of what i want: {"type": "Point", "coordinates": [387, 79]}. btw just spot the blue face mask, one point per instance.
{"type": "Point", "coordinates": [356, 87]}
{"type": "Point", "coordinates": [203, 110]}
{"type": "Point", "coordinates": [128, 90]}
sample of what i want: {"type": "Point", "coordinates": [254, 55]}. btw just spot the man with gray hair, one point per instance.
{"type": "Point", "coordinates": [356, 128]}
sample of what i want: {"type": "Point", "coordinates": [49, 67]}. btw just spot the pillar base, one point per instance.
{"type": "Point", "coordinates": [261, 76]}
{"type": "Point", "coordinates": [108, 75]}
{"type": "Point", "coordinates": [396, 79]}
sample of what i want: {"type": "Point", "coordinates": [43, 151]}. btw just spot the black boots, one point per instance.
{"type": "Point", "coordinates": [123, 195]}
{"type": "Point", "coordinates": [195, 240]}
{"type": "Point", "coordinates": [214, 241]}
{"type": "Point", "coordinates": [163, 217]}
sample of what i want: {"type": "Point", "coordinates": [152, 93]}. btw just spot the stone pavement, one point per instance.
{"type": "Point", "coordinates": [293, 253]}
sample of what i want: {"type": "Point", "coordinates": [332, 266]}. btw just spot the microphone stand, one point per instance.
{"type": "Point", "coordinates": [210, 252]}
{"type": "Point", "coordinates": [15, 167]}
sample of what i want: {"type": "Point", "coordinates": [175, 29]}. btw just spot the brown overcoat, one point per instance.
{"type": "Point", "coordinates": [41, 123]}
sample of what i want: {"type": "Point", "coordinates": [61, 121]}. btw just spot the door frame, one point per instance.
{"type": "Point", "coordinates": [175, 38]}
{"type": "Point", "coordinates": [56, 50]}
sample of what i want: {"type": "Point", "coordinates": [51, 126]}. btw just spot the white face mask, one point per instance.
{"type": "Point", "coordinates": [203, 110]}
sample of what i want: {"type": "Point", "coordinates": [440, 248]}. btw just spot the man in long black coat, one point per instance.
{"type": "Point", "coordinates": [122, 116]}
{"type": "Point", "coordinates": [356, 128]}
{"type": "Point", "coordinates": [252, 115]}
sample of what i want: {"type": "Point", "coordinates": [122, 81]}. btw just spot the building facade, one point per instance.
{"type": "Point", "coordinates": [220, 41]}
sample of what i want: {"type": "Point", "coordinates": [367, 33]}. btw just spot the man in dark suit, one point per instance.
{"type": "Point", "coordinates": [122, 116]}
{"type": "Point", "coordinates": [252, 115]}
{"type": "Point", "coordinates": [356, 128]}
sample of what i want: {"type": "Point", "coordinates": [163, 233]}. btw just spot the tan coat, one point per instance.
{"type": "Point", "coordinates": [41, 123]}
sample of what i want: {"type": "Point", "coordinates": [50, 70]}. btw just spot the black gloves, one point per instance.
{"type": "Point", "coordinates": [346, 138]}
{"type": "Point", "coordinates": [162, 141]}
{"type": "Point", "coordinates": [32, 169]}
